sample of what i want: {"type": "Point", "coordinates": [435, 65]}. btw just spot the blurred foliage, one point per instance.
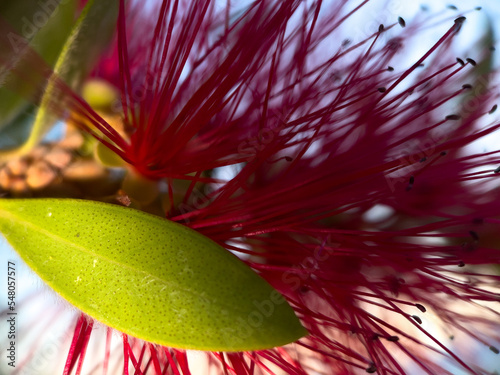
{"type": "Point", "coordinates": [89, 37]}
{"type": "Point", "coordinates": [72, 48]}
{"type": "Point", "coordinates": [47, 29]}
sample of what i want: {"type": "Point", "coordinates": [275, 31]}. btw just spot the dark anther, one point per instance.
{"type": "Point", "coordinates": [453, 117]}
{"type": "Point", "coordinates": [460, 61]}
{"type": "Point", "coordinates": [372, 369]}
{"type": "Point", "coordinates": [474, 235]}
{"type": "Point", "coordinates": [346, 42]}
{"type": "Point", "coordinates": [443, 153]}
{"type": "Point", "coordinates": [381, 28]}
{"type": "Point", "coordinates": [421, 65]}
{"type": "Point", "coordinates": [467, 86]}
{"type": "Point", "coordinates": [304, 289]}
{"type": "Point", "coordinates": [452, 7]}
{"type": "Point", "coordinates": [381, 89]}
{"type": "Point", "coordinates": [497, 170]}
{"type": "Point", "coordinates": [478, 220]}
{"type": "Point", "coordinates": [423, 159]}
{"type": "Point", "coordinates": [401, 22]}
{"type": "Point", "coordinates": [458, 24]}
{"type": "Point", "coordinates": [410, 183]}
{"type": "Point", "coordinates": [471, 61]}
{"type": "Point", "coordinates": [417, 319]}
{"type": "Point", "coordinates": [393, 338]}
{"type": "Point", "coordinates": [375, 337]}
{"type": "Point", "coordinates": [390, 68]}
{"type": "Point", "coordinates": [461, 264]}
{"type": "Point", "coordinates": [493, 109]}
{"type": "Point", "coordinates": [492, 48]}
{"type": "Point", "coordinates": [478, 8]}
{"type": "Point", "coordinates": [494, 349]}
{"type": "Point", "coordinates": [420, 307]}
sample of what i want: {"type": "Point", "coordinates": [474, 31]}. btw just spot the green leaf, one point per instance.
{"type": "Point", "coordinates": [90, 35]}
{"type": "Point", "coordinates": [148, 277]}
{"type": "Point", "coordinates": [46, 25]}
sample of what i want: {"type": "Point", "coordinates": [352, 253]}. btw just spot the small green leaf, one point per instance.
{"type": "Point", "coordinates": [148, 277]}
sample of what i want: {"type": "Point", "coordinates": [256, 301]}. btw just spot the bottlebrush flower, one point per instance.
{"type": "Point", "coordinates": [315, 131]}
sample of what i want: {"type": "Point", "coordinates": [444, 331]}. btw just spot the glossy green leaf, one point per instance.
{"type": "Point", "coordinates": [148, 277]}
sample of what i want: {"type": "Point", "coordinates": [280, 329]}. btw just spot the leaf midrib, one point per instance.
{"type": "Point", "coordinates": [85, 250]}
